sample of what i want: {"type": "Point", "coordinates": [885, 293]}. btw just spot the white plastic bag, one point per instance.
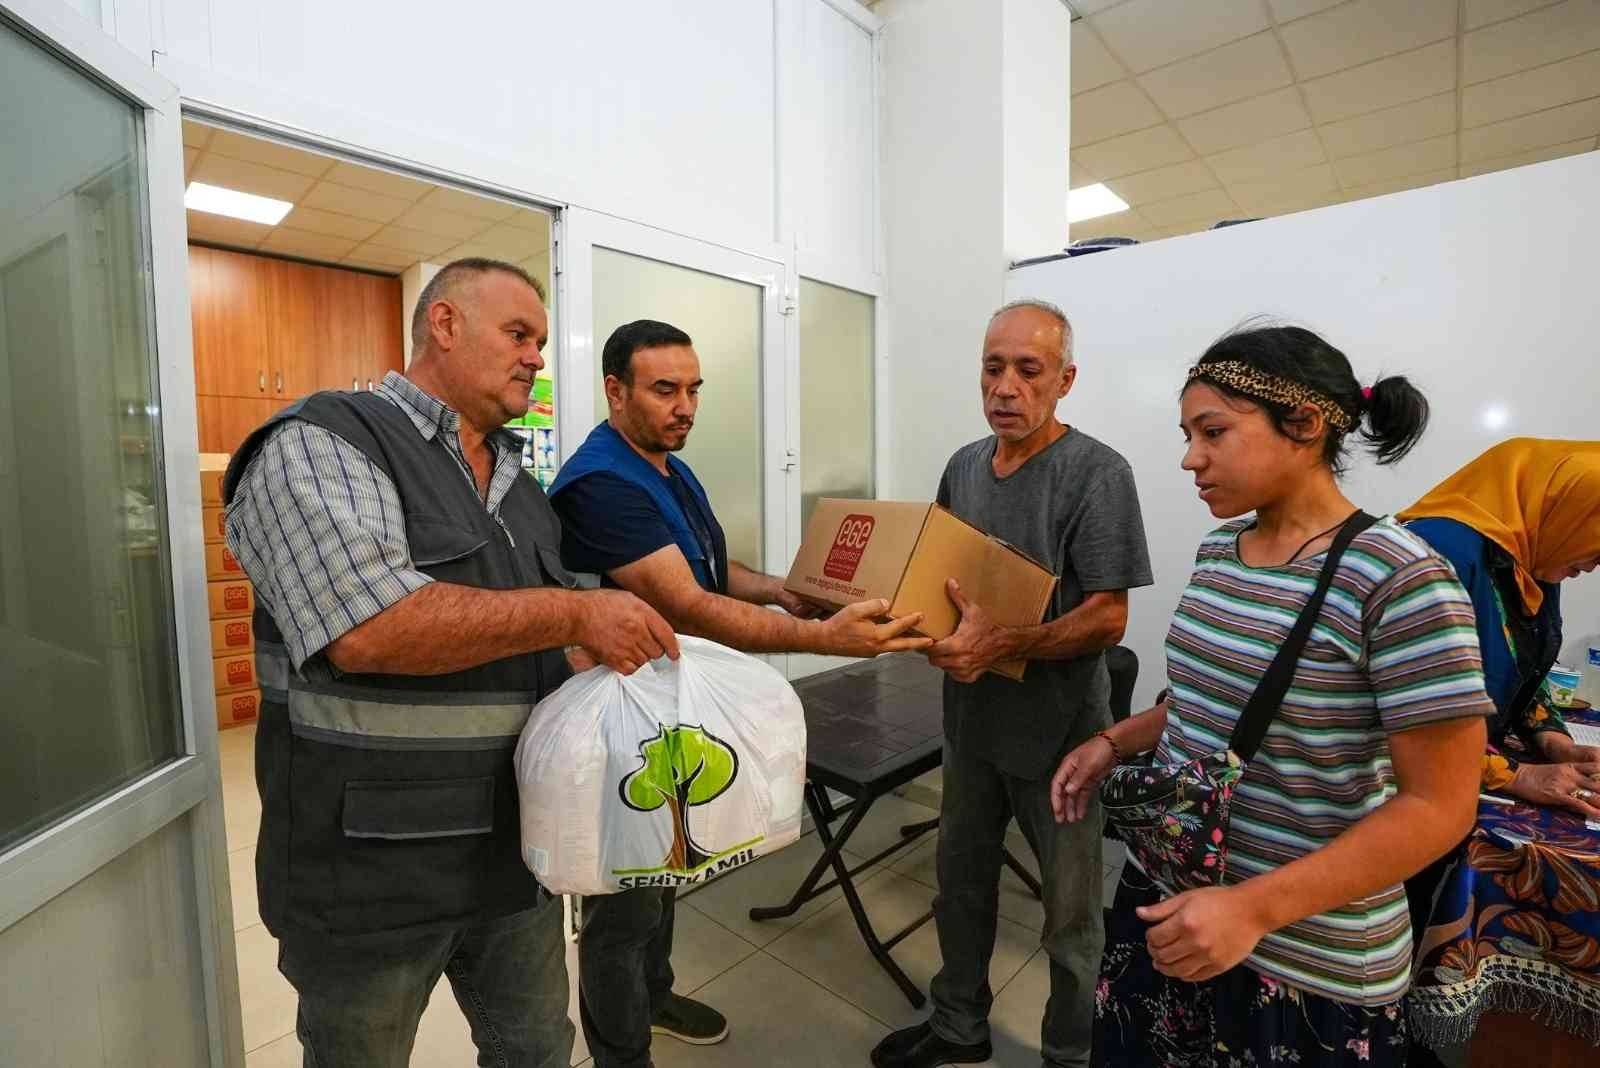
{"type": "Point", "coordinates": [679, 772]}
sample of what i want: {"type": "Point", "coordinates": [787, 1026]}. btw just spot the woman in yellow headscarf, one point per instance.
{"type": "Point", "coordinates": [1515, 522]}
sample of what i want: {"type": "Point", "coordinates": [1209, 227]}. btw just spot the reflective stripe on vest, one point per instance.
{"type": "Point", "coordinates": [492, 721]}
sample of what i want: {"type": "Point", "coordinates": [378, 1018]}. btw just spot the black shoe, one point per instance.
{"type": "Point", "coordinates": [689, 1021]}
{"type": "Point", "coordinates": [919, 1047]}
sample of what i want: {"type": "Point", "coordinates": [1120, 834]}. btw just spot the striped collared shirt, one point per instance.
{"type": "Point", "coordinates": [320, 528]}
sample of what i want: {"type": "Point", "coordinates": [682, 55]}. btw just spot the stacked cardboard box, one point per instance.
{"type": "Point", "coordinates": [232, 601]}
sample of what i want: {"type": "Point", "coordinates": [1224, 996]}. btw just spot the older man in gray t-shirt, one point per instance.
{"type": "Point", "coordinates": [1067, 500]}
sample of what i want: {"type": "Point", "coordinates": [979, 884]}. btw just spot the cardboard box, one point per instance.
{"type": "Point", "coordinates": [232, 636]}
{"type": "Point", "coordinates": [903, 552]}
{"type": "Point", "coordinates": [230, 598]}
{"type": "Point", "coordinates": [212, 467]}
{"type": "Point", "coordinates": [221, 563]}
{"type": "Point", "coordinates": [216, 528]}
{"type": "Point", "coordinates": [241, 706]}
{"type": "Point", "coordinates": [234, 672]}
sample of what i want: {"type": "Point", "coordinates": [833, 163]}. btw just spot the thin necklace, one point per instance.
{"type": "Point", "coordinates": [1321, 534]}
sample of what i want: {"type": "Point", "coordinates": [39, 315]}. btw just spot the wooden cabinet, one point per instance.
{"type": "Point", "coordinates": [269, 331]}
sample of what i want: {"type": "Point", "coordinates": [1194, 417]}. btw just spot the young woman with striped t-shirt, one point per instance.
{"type": "Point", "coordinates": [1369, 769]}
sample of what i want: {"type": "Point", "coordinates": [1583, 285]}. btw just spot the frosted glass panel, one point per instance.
{"type": "Point", "coordinates": [109, 972]}
{"type": "Point", "coordinates": [836, 426]}
{"type": "Point", "coordinates": [724, 319]}
{"type": "Point", "coordinates": [88, 668]}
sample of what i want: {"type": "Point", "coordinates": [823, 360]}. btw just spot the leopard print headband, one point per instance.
{"type": "Point", "coordinates": [1253, 383]}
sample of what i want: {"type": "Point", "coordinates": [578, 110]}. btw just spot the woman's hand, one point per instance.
{"type": "Point", "coordinates": [1570, 786]}
{"type": "Point", "coordinates": [1200, 934]}
{"type": "Point", "coordinates": [1080, 773]}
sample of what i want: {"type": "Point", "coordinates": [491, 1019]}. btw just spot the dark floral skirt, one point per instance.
{"type": "Point", "coordinates": [1145, 1020]}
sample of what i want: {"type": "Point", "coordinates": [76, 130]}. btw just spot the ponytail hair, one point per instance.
{"type": "Point", "coordinates": [1393, 416]}
{"type": "Point", "coordinates": [1390, 417]}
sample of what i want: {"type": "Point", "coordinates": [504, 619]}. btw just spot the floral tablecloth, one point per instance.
{"type": "Point", "coordinates": [1515, 928]}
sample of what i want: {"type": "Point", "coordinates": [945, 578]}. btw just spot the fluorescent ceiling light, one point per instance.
{"type": "Point", "coordinates": [237, 205]}
{"type": "Point", "coordinates": [1093, 201]}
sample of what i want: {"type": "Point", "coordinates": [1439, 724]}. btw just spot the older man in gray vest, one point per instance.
{"type": "Point", "coordinates": [412, 608]}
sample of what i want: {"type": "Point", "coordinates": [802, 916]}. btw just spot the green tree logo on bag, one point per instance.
{"type": "Point", "coordinates": [683, 767]}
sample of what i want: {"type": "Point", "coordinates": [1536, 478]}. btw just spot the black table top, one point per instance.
{"type": "Point", "coordinates": [875, 725]}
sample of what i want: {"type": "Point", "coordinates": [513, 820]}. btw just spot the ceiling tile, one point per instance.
{"type": "Point", "coordinates": [357, 202]}
{"type": "Point", "coordinates": [1531, 90]}
{"type": "Point", "coordinates": [196, 135]}
{"type": "Point", "coordinates": [1417, 158]}
{"type": "Point", "coordinates": [1089, 7]}
{"type": "Point", "coordinates": [1110, 111]}
{"type": "Point", "coordinates": [204, 226]}
{"type": "Point", "coordinates": [375, 181]}
{"type": "Point", "coordinates": [251, 177]}
{"type": "Point", "coordinates": [1211, 205]}
{"type": "Point", "coordinates": [1291, 152]}
{"type": "Point", "coordinates": [332, 224]}
{"type": "Point", "coordinates": [1131, 153]}
{"type": "Point", "coordinates": [1146, 34]}
{"type": "Point", "coordinates": [536, 222]}
{"type": "Point", "coordinates": [498, 243]}
{"type": "Point", "coordinates": [1184, 229]}
{"type": "Point", "coordinates": [1080, 171]}
{"type": "Point", "coordinates": [269, 154]}
{"type": "Point", "coordinates": [441, 222]}
{"type": "Point", "coordinates": [1363, 31]}
{"type": "Point", "coordinates": [308, 245]}
{"type": "Point", "coordinates": [371, 255]}
{"type": "Point", "coordinates": [1400, 185]}
{"type": "Point", "coordinates": [1287, 10]}
{"type": "Point", "coordinates": [1522, 159]}
{"type": "Point", "coordinates": [190, 155]}
{"type": "Point", "coordinates": [1260, 197]}
{"type": "Point", "coordinates": [1417, 121]}
{"type": "Point", "coordinates": [405, 239]}
{"type": "Point", "coordinates": [1478, 13]}
{"type": "Point", "coordinates": [1553, 127]}
{"type": "Point", "coordinates": [1233, 72]}
{"type": "Point", "coordinates": [1297, 202]}
{"type": "Point", "coordinates": [1529, 41]}
{"type": "Point", "coordinates": [1092, 65]}
{"type": "Point", "coordinates": [461, 203]}
{"type": "Point", "coordinates": [1246, 122]}
{"type": "Point", "coordinates": [1164, 183]}
{"type": "Point", "coordinates": [1397, 80]}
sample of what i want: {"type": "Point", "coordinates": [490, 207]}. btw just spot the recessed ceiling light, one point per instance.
{"type": "Point", "coordinates": [1093, 201]}
{"type": "Point", "coordinates": [234, 204]}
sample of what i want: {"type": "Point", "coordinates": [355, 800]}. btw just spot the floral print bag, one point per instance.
{"type": "Point", "coordinates": [1174, 818]}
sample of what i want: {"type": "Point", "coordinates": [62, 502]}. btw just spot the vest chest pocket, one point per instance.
{"type": "Point", "coordinates": [437, 544]}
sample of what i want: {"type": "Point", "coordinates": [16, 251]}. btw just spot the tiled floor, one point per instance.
{"type": "Point", "coordinates": [801, 991]}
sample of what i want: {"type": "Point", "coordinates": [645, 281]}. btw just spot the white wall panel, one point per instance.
{"type": "Point", "coordinates": [630, 107]}
{"type": "Point", "coordinates": [837, 164]}
{"type": "Point", "coordinates": [1481, 290]}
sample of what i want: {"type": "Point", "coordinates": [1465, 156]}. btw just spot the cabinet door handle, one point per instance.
{"type": "Point", "coordinates": [369, 385]}
{"type": "Point", "coordinates": [354, 385]}
{"type": "Point", "coordinates": [280, 381]}
{"type": "Point", "coordinates": [261, 382]}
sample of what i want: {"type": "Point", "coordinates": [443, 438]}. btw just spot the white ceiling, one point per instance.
{"type": "Point", "coordinates": [1195, 111]}
{"type": "Point", "coordinates": [354, 216]}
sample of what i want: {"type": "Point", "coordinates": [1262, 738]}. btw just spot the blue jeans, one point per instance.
{"type": "Point", "coordinates": [359, 1007]}
{"type": "Point", "coordinates": [979, 802]}
{"type": "Point", "coordinates": [624, 972]}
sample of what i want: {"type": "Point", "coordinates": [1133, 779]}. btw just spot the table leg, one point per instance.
{"type": "Point", "coordinates": [821, 814]}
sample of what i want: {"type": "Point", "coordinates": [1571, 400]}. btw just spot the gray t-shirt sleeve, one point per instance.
{"type": "Point", "coordinates": [1108, 548]}
{"type": "Point", "coordinates": [943, 497]}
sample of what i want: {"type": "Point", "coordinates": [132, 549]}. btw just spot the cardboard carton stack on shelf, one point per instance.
{"type": "Point", "coordinates": [232, 601]}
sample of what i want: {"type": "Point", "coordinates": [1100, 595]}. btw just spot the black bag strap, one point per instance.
{"type": "Point", "coordinates": [1258, 712]}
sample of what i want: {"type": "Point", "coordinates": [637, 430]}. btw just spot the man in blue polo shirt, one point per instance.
{"type": "Point", "coordinates": [636, 515]}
